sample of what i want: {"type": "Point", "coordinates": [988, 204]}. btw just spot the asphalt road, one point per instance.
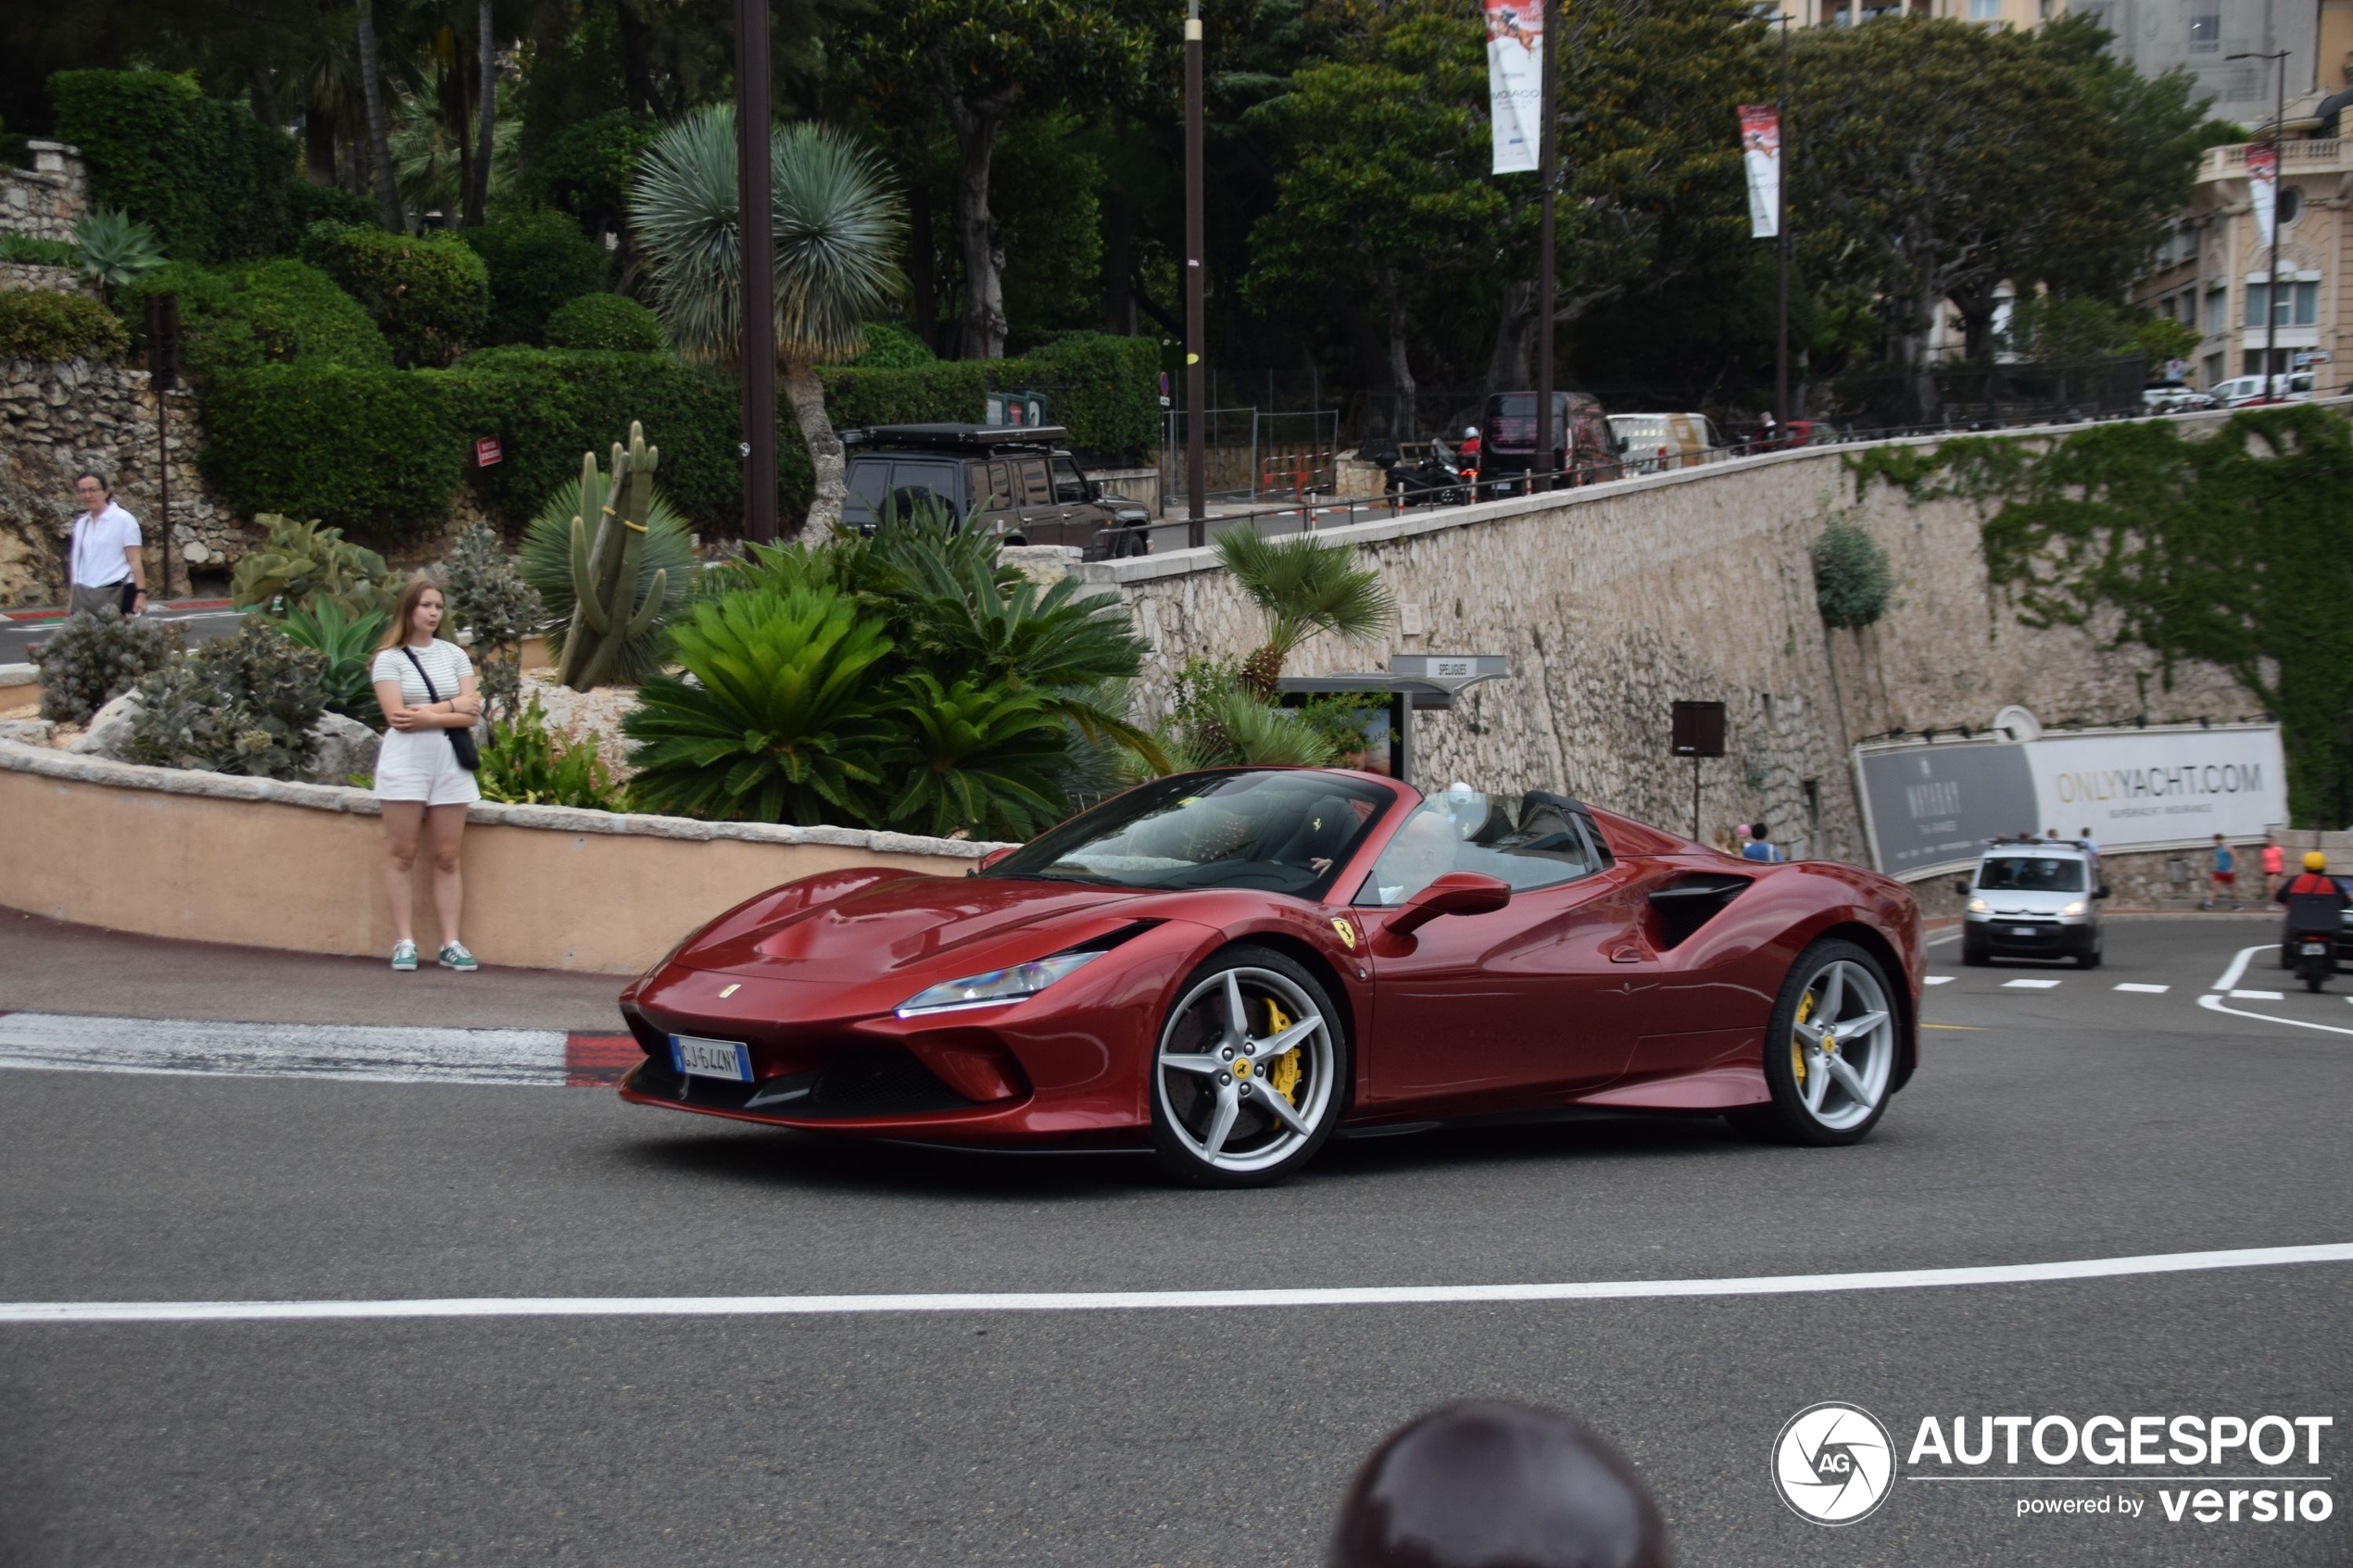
{"type": "Point", "coordinates": [2065, 1123]}
{"type": "Point", "coordinates": [197, 625]}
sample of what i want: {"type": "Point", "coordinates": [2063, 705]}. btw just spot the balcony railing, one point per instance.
{"type": "Point", "coordinates": [2327, 155]}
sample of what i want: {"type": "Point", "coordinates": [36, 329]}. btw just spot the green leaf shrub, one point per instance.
{"type": "Point", "coordinates": [976, 757]}
{"type": "Point", "coordinates": [34, 251]}
{"type": "Point", "coordinates": [37, 324]}
{"type": "Point", "coordinates": [281, 311]}
{"type": "Point", "coordinates": [238, 705]}
{"type": "Point", "coordinates": [1853, 582]}
{"type": "Point", "coordinates": [586, 168]}
{"type": "Point", "coordinates": [303, 565]}
{"type": "Point", "coordinates": [429, 292]}
{"type": "Point", "coordinates": [490, 602]}
{"type": "Point", "coordinates": [346, 646]}
{"type": "Point", "coordinates": [605, 322]}
{"type": "Point", "coordinates": [210, 178]}
{"type": "Point", "coordinates": [91, 659]}
{"type": "Point", "coordinates": [778, 723]}
{"type": "Point", "coordinates": [526, 765]}
{"type": "Point", "coordinates": [308, 204]}
{"type": "Point", "coordinates": [537, 260]}
{"type": "Point", "coordinates": [890, 346]}
{"type": "Point", "coordinates": [376, 452]}
{"type": "Point", "coordinates": [115, 247]}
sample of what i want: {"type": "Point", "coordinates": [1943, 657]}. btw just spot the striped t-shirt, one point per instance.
{"type": "Point", "coordinates": [445, 661]}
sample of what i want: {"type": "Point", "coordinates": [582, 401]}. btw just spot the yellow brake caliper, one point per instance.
{"type": "Point", "coordinates": [1797, 1041]}
{"type": "Point", "coordinates": [1284, 1074]}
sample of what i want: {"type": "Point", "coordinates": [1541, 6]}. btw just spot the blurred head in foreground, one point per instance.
{"type": "Point", "coordinates": [1486, 1484]}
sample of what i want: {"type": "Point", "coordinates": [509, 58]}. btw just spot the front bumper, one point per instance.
{"type": "Point", "coordinates": [2028, 936]}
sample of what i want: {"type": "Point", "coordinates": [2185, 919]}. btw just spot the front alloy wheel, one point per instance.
{"type": "Point", "coordinates": [1830, 1051]}
{"type": "Point", "coordinates": [1247, 1079]}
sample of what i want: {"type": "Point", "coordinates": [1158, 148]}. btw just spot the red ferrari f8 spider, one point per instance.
{"type": "Point", "coordinates": [1239, 964]}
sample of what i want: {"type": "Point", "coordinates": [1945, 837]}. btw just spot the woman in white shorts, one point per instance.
{"type": "Point", "coordinates": [426, 687]}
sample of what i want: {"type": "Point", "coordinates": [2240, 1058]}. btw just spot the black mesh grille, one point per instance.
{"type": "Point", "coordinates": [869, 1083]}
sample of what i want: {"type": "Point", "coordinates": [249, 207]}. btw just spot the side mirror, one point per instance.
{"type": "Point", "coordinates": [1960, 888]}
{"type": "Point", "coordinates": [2101, 891]}
{"type": "Point", "coordinates": [994, 855]}
{"type": "Point", "coordinates": [1094, 491]}
{"type": "Point", "coordinates": [1457, 893]}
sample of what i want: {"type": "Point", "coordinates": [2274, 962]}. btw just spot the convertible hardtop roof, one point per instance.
{"type": "Point", "coordinates": [957, 437]}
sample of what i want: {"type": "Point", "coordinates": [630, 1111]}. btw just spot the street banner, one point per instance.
{"type": "Point", "coordinates": [2263, 190]}
{"type": "Point", "coordinates": [1933, 807]}
{"type": "Point", "coordinates": [1514, 81]}
{"type": "Point", "coordinates": [1761, 150]}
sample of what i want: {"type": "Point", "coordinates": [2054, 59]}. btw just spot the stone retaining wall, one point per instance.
{"type": "Point", "coordinates": [54, 280]}
{"type": "Point", "coordinates": [48, 199]}
{"type": "Point", "coordinates": [1613, 601]}
{"type": "Point", "coordinates": [211, 857]}
{"type": "Point", "coordinates": [59, 419]}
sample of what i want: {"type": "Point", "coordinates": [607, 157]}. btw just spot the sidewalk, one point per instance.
{"type": "Point", "coordinates": [49, 967]}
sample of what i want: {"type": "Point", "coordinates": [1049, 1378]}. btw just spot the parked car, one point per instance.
{"type": "Point", "coordinates": [2174, 398]}
{"type": "Point", "coordinates": [1657, 443]}
{"type": "Point", "coordinates": [1017, 483]}
{"type": "Point", "coordinates": [2241, 391]}
{"type": "Point", "coordinates": [1584, 447]}
{"type": "Point", "coordinates": [2035, 898]}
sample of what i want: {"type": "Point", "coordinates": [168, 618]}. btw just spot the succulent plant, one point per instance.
{"type": "Point", "coordinates": [92, 660]}
{"type": "Point", "coordinates": [607, 614]}
{"type": "Point", "coordinates": [301, 562]}
{"type": "Point", "coordinates": [245, 704]}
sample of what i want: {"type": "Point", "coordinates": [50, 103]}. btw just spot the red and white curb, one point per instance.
{"type": "Point", "coordinates": [355, 1052]}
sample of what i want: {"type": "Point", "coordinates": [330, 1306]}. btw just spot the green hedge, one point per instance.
{"type": "Point", "coordinates": [890, 346]}
{"type": "Point", "coordinates": [255, 313]}
{"type": "Point", "coordinates": [429, 292]}
{"type": "Point", "coordinates": [210, 178]}
{"type": "Point", "coordinates": [538, 260]}
{"type": "Point", "coordinates": [308, 204]}
{"type": "Point", "coordinates": [372, 451]}
{"type": "Point", "coordinates": [585, 169]}
{"type": "Point", "coordinates": [608, 322]}
{"type": "Point", "coordinates": [37, 324]}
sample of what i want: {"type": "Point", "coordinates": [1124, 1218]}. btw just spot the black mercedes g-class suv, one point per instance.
{"type": "Point", "coordinates": [1016, 481]}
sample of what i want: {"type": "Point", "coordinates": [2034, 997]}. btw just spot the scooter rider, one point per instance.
{"type": "Point", "coordinates": [2316, 901]}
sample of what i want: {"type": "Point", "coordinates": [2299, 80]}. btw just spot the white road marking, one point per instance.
{"type": "Point", "coordinates": [2216, 1004]}
{"type": "Point", "coordinates": [1942, 979]}
{"type": "Point", "coordinates": [1143, 1300]}
{"type": "Point", "coordinates": [2238, 965]}
{"type": "Point", "coordinates": [2144, 990]}
{"type": "Point", "coordinates": [2028, 984]}
{"type": "Point", "coordinates": [369, 1052]}
{"type": "Point", "coordinates": [2257, 997]}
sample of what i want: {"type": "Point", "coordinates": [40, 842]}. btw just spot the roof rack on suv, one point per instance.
{"type": "Point", "coordinates": [937, 435]}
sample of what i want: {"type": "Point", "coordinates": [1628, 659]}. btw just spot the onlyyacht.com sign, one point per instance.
{"type": "Point", "coordinates": [1933, 807]}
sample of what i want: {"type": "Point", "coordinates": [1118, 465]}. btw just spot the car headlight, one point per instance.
{"type": "Point", "coordinates": [1980, 906]}
{"type": "Point", "coordinates": [1018, 984]}
{"type": "Point", "coordinates": [2076, 907]}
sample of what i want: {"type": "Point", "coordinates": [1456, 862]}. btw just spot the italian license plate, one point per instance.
{"type": "Point", "coordinates": [2313, 949]}
{"type": "Point", "coordinates": [710, 1059]}
{"type": "Point", "coordinates": [2023, 931]}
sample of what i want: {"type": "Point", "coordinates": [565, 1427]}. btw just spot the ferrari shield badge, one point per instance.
{"type": "Point", "coordinates": [1347, 932]}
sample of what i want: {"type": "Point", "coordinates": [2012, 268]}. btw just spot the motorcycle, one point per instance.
{"type": "Point", "coordinates": [1435, 480]}
{"type": "Point", "coordinates": [2315, 959]}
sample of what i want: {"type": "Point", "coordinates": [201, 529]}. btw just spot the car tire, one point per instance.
{"type": "Point", "coordinates": [1795, 1050]}
{"type": "Point", "coordinates": [2090, 956]}
{"type": "Point", "coordinates": [1223, 1076]}
{"type": "Point", "coordinates": [2287, 956]}
{"type": "Point", "coordinates": [1972, 955]}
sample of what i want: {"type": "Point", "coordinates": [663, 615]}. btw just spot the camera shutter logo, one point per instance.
{"type": "Point", "coordinates": [1833, 1463]}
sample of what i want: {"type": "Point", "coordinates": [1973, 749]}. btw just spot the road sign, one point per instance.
{"type": "Point", "coordinates": [486, 451]}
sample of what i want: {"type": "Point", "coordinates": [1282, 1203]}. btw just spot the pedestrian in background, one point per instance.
{"type": "Point", "coordinates": [2223, 882]}
{"type": "Point", "coordinates": [1728, 841]}
{"type": "Point", "coordinates": [2274, 866]}
{"type": "Point", "coordinates": [1759, 848]}
{"type": "Point", "coordinates": [105, 563]}
{"type": "Point", "coordinates": [425, 685]}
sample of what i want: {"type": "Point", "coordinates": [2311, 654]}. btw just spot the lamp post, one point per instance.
{"type": "Point", "coordinates": [1547, 173]}
{"type": "Point", "coordinates": [1780, 248]}
{"type": "Point", "coordinates": [2271, 290]}
{"type": "Point", "coordinates": [1196, 449]}
{"type": "Point", "coordinates": [756, 272]}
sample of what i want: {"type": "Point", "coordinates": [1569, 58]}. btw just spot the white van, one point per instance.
{"type": "Point", "coordinates": [2034, 898]}
{"type": "Point", "coordinates": [2240, 390]}
{"type": "Point", "coordinates": [1655, 443]}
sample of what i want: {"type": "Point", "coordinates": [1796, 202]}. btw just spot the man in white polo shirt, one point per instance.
{"type": "Point", "coordinates": [105, 560]}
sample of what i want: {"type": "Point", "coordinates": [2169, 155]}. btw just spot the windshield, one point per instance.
{"type": "Point", "coordinates": [2029, 874]}
{"type": "Point", "coordinates": [1284, 832]}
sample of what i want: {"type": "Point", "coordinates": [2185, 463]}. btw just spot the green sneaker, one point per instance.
{"type": "Point", "coordinates": [404, 955]}
{"type": "Point", "coordinates": [454, 956]}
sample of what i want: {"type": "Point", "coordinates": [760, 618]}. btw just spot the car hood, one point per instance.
{"type": "Point", "coordinates": [914, 925]}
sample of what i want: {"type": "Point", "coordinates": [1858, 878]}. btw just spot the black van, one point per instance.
{"type": "Point", "coordinates": [1016, 481]}
{"type": "Point", "coordinates": [1582, 445]}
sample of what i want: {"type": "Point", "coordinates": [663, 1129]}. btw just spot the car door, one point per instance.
{"type": "Point", "coordinates": [1529, 997]}
{"type": "Point", "coordinates": [917, 481]}
{"type": "Point", "coordinates": [1081, 518]}
{"type": "Point", "coordinates": [1034, 499]}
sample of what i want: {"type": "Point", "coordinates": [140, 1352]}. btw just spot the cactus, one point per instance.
{"type": "Point", "coordinates": [604, 565]}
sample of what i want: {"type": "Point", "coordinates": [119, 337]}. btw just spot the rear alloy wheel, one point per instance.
{"type": "Point", "coordinates": [1248, 1078]}
{"type": "Point", "coordinates": [1829, 1050]}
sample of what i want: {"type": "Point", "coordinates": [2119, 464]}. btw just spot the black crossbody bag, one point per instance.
{"type": "Point", "coordinates": [460, 741]}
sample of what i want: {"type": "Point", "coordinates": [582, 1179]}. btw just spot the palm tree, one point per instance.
{"type": "Point", "coordinates": [379, 143]}
{"type": "Point", "coordinates": [1303, 587]}
{"type": "Point", "coordinates": [839, 226]}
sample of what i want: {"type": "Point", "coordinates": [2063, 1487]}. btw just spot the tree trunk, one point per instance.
{"type": "Point", "coordinates": [1400, 373]}
{"type": "Point", "coordinates": [807, 395]}
{"type": "Point", "coordinates": [1119, 227]}
{"type": "Point", "coordinates": [1512, 366]}
{"type": "Point", "coordinates": [975, 124]}
{"type": "Point", "coordinates": [922, 276]}
{"type": "Point", "coordinates": [1976, 311]}
{"type": "Point", "coordinates": [485, 89]}
{"type": "Point", "coordinates": [317, 146]}
{"type": "Point", "coordinates": [637, 73]}
{"type": "Point", "coordinates": [379, 137]}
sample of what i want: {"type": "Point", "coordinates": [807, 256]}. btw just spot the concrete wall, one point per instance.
{"type": "Point", "coordinates": [1613, 601]}
{"type": "Point", "coordinates": [173, 853]}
